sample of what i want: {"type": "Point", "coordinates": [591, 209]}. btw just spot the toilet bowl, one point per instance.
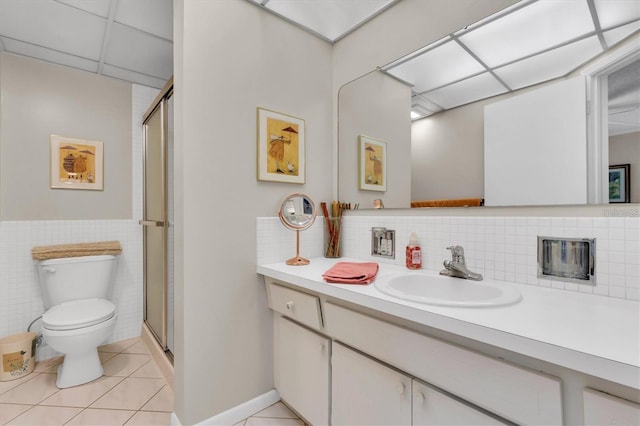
{"type": "Point", "coordinates": [79, 316]}
{"type": "Point", "coordinates": [76, 329]}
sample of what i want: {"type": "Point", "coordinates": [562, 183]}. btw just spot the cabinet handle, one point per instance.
{"type": "Point", "coordinates": [289, 305]}
{"type": "Point", "coordinates": [401, 388]}
{"type": "Point", "coordinates": [420, 397]}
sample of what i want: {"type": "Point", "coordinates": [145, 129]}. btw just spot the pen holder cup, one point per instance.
{"type": "Point", "coordinates": [332, 236]}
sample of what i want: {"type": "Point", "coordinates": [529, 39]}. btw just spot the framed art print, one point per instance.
{"type": "Point", "coordinates": [76, 163]}
{"type": "Point", "coordinates": [372, 164]}
{"type": "Point", "coordinates": [281, 147]}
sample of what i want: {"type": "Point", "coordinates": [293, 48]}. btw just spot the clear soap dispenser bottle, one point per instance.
{"type": "Point", "coordinates": [413, 253]}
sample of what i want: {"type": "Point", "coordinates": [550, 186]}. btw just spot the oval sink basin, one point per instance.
{"type": "Point", "coordinates": [448, 291]}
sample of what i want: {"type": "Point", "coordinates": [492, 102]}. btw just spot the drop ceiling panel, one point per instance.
{"type": "Point", "coordinates": [37, 52]}
{"type": "Point", "coordinates": [152, 16]}
{"type": "Point", "coordinates": [137, 51]}
{"type": "Point", "coordinates": [549, 65]}
{"type": "Point", "coordinates": [442, 65]}
{"type": "Point", "coordinates": [530, 30]}
{"type": "Point", "coordinates": [53, 25]}
{"type": "Point", "coordinates": [469, 90]}
{"type": "Point", "coordinates": [97, 7]}
{"type": "Point", "coordinates": [616, 12]}
{"type": "Point", "coordinates": [133, 77]}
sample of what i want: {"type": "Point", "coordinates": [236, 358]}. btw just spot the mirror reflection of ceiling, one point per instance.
{"type": "Point", "coordinates": [131, 40]}
{"type": "Point", "coordinates": [528, 43]}
{"type": "Point", "coordinates": [624, 100]}
{"type": "Point", "coordinates": [327, 19]}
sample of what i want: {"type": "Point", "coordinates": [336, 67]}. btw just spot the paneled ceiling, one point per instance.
{"type": "Point", "coordinates": [127, 39]}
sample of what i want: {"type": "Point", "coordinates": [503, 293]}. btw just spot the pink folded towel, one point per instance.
{"type": "Point", "coordinates": [351, 273]}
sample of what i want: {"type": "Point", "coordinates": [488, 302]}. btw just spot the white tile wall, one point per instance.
{"type": "Point", "coordinates": [20, 300]}
{"type": "Point", "coordinates": [500, 248]}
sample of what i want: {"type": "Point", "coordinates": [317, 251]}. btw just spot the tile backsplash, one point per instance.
{"type": "Point", "coordinates": [500, 248]}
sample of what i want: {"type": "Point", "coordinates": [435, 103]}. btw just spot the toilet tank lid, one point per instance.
{"type": "Point", "coordinates": [77, 314]}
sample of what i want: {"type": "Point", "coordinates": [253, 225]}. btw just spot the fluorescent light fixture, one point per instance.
{"type": "Point", "coordinates": [331, 19]}
{"type": "Point", "coordinates": [618, 34]}
{"type": "Point", "coordinates": [445, 63]}
{"type": "Point", "coordinates": [466, 91]}
{"type": "Point", "coordinates": [415, 115]}
{"type": "Point", "coordinates": [616, 12]}
{"type": "Point", "coordinates": [529, 30]}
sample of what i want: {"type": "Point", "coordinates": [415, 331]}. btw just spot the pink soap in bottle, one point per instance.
{"type": "Point", "coordinates": [413, 253]}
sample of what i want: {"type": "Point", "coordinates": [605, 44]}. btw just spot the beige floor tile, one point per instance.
{"type": "Point", "coordinates": [11, 411]}
{"type": "Point", "coordinates": [149, 370]}
{"type": "Point", "coordinates": [32, 391]}
{"type": "Point", "coordinates": [118, 347]}
{"type": "Point", "coordinates": [124, 364]}
{"type": "Point", "coordinates": [278, 410]}
{"type": "Point", "coordinates": [271, 421]}
{"type": "Point", "coordinates": [130, 394]}
{"type": "Point", "coordinates": [82, 396]}
{"type": "Point", "coordinates": [137, 348]}
{"type": "Point", "coordinates": [99, 417]}
{"type": "Point", "coordinates": [7, 386]}
{"type": "Point", "coordinates": [146, 418]}
{"type": "Point", "coordinates": [45, 416]}
{"type": "Point", "coordinates": [162, 401]}
{"type": "Point", "coordinates": [106, 356]}
{"type": "Point", "coordinates": [49, 365]}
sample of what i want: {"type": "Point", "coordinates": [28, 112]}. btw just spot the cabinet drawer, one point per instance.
{"type": "Point", "coordinates": [294, 304]}
{"type": "Point", "coordinates": [604, 409]}
{"type": "Point", "coordinates": [512, 392]}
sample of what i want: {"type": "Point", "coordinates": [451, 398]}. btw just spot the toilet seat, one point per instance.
{"type": "Point", "coordinates": [78, 314]}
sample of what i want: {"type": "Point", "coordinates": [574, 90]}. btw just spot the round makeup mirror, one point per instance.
{"type": "Point", "coordinates": [298, 212]}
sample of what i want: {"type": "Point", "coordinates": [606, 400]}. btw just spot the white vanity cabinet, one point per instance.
{"type": "Point", "coordinates": [301, 370]}
{"type": "Point", "coordinates": [365, 392]}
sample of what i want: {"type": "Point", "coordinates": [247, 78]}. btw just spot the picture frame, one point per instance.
{"type": "Point", "coordinates": [76, 163]}
{"type": "Point", "coordinates": [619, 183]}
{"type": "Point", "coordinates": [372, 164]}
{"type": "Point", "coordinates": [281, 147]}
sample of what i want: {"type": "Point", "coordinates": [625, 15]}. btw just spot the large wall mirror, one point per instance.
{"type": "Point", "coordinates": [435, 107]}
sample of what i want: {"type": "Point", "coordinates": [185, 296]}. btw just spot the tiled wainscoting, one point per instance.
{"type": "Point", "coordinates": [502, 248]}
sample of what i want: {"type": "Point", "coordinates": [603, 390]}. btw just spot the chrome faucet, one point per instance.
{"type": "Point", "coordinates": [456, 267]}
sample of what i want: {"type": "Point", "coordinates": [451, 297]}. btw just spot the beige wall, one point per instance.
{"type": "Point", "coordinates": [625, 149]}
{"type": "Point", "coordinates": [39, 99]}
{"type": "Point", "coordinates": [233, 58]}
{"type": "Point", "coordinates": [385, 117]}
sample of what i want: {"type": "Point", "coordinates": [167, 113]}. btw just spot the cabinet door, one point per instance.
{"type": "Point", "coordinates": [365, 392]}
{"type": "Point", "coordinates": [603, 409]}
{"type": "Point", "coordinates": [432, 407]}
{"type": "Point", "coordinates": [301, 370]}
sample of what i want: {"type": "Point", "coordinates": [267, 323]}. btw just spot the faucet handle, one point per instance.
{"type": "Point", "coordinates": [457, 253]}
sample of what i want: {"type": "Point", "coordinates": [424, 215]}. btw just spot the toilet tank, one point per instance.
{"type": "Point", "coordinates": [74, 278]}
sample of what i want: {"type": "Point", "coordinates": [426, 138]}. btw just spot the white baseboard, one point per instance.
{"type": "Point", "coordinates": [239, 412]}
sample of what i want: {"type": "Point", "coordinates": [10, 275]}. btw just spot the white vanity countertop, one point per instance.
{"type": "Point", "coordinates": [593, 334]}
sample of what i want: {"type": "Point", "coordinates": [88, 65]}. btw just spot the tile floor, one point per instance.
{"type": "Point", "coordinates": [132, 391]}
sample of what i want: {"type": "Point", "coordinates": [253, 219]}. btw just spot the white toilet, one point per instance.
{"type": "Point", "coordinates": [79, 316]}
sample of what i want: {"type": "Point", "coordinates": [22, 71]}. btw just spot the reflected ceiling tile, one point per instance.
{"type": "Point", "coordinates": [330, 18]}
{"type": "Point", "coordinates": [44, 54]}
{"type": "Point", "coordinates": [133, 76]}
{"type": "Point", "coordinates": [152, 16]}
{"type": "Point", "coordinates": [437, 67]}
{"type": "Point", "coordinates": [97, 7]}
{"type": "Point", "coordinates": [616, 12]}
{"type": "Point", "coordinates": [617, 35]}
{"type": "Point", "coordinates": [534, 28]}
{"type": "Point", "coordinates": [548, 65]}
{"type": "Point", "coordinates": [53, 25]}
{"type": "Point", "coordinates": [466, 91]}
{"type": "Point", "coordinates": [137, 51]}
